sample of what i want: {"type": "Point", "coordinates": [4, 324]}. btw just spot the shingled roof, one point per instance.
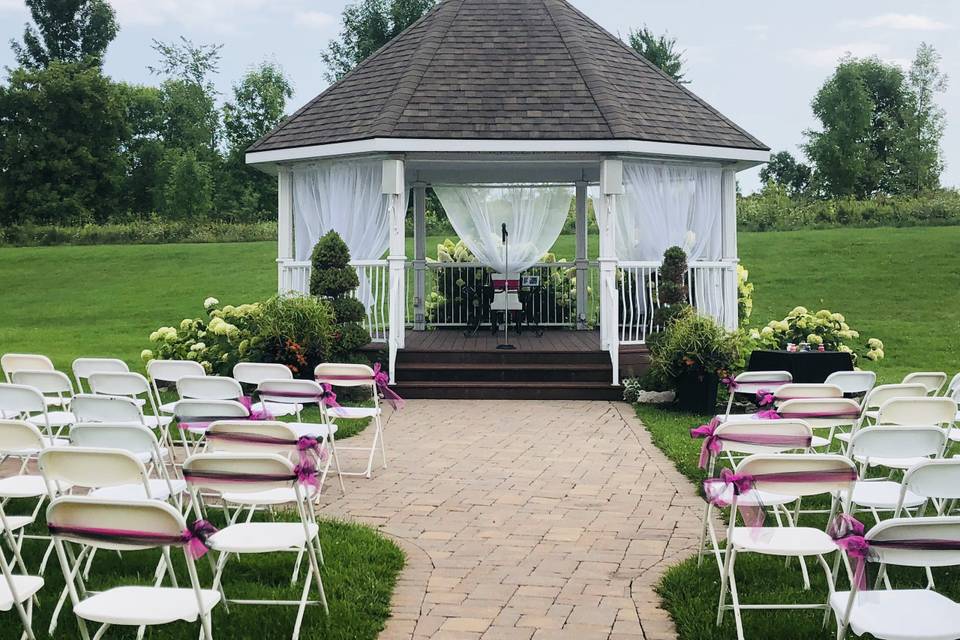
{"type": "Point", "coordinates": [507, 70]}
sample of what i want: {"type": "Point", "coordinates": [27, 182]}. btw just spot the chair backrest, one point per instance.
{"type": "Point", "coordinates": [290, 391]}
{"type": "Point", "coordinates": [925, 411]}
{"type": "Point", "coordinates": [83, 367]}
{"type": "Point", "coordinates": [928, 528]}
{"type": "Point", "coordinates": [853, 382]}
{"type": "Point", "coordinates": [821, 413]}
{"type": "Point", "coordinates": [118, 384]}
{"type": "Point", "coordinates": [747, 428]}
{"type": "Point", "coordinates": [749, 382]}
{"type": "Point", "coordinates": [135, 438]}
{"type": "Point", "coordinates": [11, 362]}
{"type": "Point", "coordinates": [18, 436]}
{"type": "Point", "coordinates": [92, 468]}
{"type": "Point", "coordinates": [208, 388]}
{"type": "Point", "coordinates": [20, 398]}
{"type": "Point", "coordinates": [796, 390]}
{"type": "Point", "coordinates": [932, 380]}
{"type": "Point", "coordinates": [344, 375]}
{"type": "Point", "coordinates": [794, 463]}
{"type": "Point", "coordinates": [898, 442]}
{"type": "Point", "coordinates": [935, 478]}
{"type": "Point", "coordinates": [248, 473]}
{"type": "Point", "coordinates": [954, 387]}
{"type": "Point", "coordinates": [170, 371]}
{"type": "Point", "coordinates": [879, 395]}
{"type": "Point", "coordinates": [509, 281]}
{"type": "Point", "coordinates": [220, 409]}
{"type": "Point", "coordinates": [84, 512]}
{"type": "Point", "coordinates": [88, 407]}
{"type": "Point", "coordinates": [219, 438]}
{"type": "Point", "coordinates": [256, 372]}
{"type": "Point", "coordinates": [45, 381]}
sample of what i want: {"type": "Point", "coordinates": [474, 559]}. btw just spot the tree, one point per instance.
{"type": "Point", "coordinates": [921, 154]}
{"type": "Point", "coordinates": [188, 192]}
{"type": "Point", "coordinates": [660, 50]}
{"type": "Point", "coordinates": [187, 61]}
{"type": "Point", "coordinates": [67, 31]}
{"type": "Point", "coordinates": [60, 131]}
{"type": "Point", "coordinates": [367, 26]}
{"type": "Point", "coordinates": [861, 109]}
{"type": "Point", "coordinates": [784, 170]}
{"type": "Point", "coordinates": [258, 105]}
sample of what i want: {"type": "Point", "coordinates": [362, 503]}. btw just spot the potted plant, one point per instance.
{"type": "Point", "coordinates": [692, 355]}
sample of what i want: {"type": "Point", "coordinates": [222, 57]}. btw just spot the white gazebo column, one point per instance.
{"type": "Point", "coordinates": [284, 228]}
{"type": "Point", "coordinates": [728, 207]}
{"type": "Point", "coordinates": [583, 266]}
{"type": "Point", "coordinates": [419, 255]}
{"type": "Point", "coordinates": [611, 187]}
{"type": "Point", "coordinates": [393, 189]}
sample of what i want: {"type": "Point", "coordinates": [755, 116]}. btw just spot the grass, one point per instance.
{"type": "Point", "coordinates": [360, 571]}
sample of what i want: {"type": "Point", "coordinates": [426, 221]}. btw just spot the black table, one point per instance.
{"type": "Point", "coordinates": [805, 366]}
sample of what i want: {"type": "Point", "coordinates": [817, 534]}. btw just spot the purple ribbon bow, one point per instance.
{"type": "Point", "coordinates": [259, 414]}
{"type": "Point", "coordinates": [328, 397]}
{"type": "Point", "coordinates": [194, 537]}
{"type": "Point", "coordinates": [764, 397]}
{"type": "Point", "coordinates": [730, 383]}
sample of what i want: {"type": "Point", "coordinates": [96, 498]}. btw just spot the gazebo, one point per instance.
{"type": "Point", "coordinates": [510, 110]}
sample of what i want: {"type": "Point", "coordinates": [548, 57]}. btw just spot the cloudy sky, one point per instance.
{"type": "Point", "coordinates": [757, 61]}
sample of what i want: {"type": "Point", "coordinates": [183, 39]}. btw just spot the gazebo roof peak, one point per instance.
{"type": "Point", "coordinates": [507, 70]}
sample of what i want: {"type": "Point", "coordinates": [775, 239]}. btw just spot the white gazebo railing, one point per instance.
{"type": "Point", "coordinates": [639, 297]}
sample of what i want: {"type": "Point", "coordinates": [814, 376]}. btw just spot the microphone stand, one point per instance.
{"type": "Point", "coordinates": [506, 290]}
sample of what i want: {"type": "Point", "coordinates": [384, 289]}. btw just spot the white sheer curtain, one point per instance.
{"type": "Point", "coordinates": [346, 197]}
{"type": "Point", "coordinates": [534, 216]}
{"type": "Point", "coordinates": [669, 205]}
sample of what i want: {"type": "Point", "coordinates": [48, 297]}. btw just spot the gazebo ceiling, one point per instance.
{"type": "Point", "coordinates": [505, 70]}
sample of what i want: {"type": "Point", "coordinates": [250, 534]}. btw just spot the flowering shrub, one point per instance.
{"type": "Point", "coordinates": [224, 337]}
{"type": "Point", "coordinates": [821, 328]}
{"type": "Point", "coordinates": [744, 296]}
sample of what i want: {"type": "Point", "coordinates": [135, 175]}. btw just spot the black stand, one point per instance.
{"type": "Point", "coordinates": [506, 291]}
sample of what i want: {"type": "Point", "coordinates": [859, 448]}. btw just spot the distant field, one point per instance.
{"type": "Point", "coordinates": [900, 285]}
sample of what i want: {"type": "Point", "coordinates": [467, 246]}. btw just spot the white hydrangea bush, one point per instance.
{"type": "Point", "coordinates": [823, 327]}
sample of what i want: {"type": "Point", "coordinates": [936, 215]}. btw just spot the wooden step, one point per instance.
{"type": "Point", "coordinates": [511, 391]}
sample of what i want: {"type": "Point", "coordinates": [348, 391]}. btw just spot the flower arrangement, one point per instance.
{"type": "Point", "coordinates": [824, 328]}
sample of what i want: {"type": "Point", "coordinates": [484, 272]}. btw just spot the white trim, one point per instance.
{"type": "Point", "coordinates": [427, 145]}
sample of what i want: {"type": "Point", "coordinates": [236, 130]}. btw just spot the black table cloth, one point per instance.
{"type": "Point", "coordinates": [805, 366]}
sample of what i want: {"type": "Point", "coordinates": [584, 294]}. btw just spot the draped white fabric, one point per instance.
{"type": "Point", "coordinates": [534, 216]}
{"type": "Point", "coordinates": [669, 205]}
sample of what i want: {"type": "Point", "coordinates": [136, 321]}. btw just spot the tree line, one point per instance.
{"type": "Point", "coordinates": [77, 147]}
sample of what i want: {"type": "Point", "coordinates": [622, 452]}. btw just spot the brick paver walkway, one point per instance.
{"type": "Point", "coordinates": [525, 520]}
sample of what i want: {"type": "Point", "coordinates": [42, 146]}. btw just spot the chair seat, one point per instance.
{"type": "Point", "coordinates": [24, 486]}
{"type": "Point", "coordinates": [54, 401]}
{"type": "Point", "coordinates": [818, 441]}
{"type": "Point", "coordinates": [892, 463]}
{"type": "Point", "coordinates": [168, 407]}
{"type": "Point", "coordinates": [134, 606]}
{"type": "Point", "coordinates": [843, 437]}
{"type": "Point", "coordinates": [280, 495]}
{"type": "Point", "coordinates": [154, 422]}
{"type": "Point", "coordinates": [54, 419]}
{"type": "Point", "coordinates": [26, 586]}
{"type": "Point", "coordinates": [261, 537]}
{"type": "Point", "coordinates": [350, 413]}
{"type": "Point", "coordinates": [146, 456]}
{"type": "Point", "coordinates": [276, 409]}
{"type": "Point", "coordinates": [783, 541]}
{"type": "Point", "coordinates": [48, 442]}
{"type": "Point", "coordinates": [903, 614]}
{"type": "Point", "coordinates": [313, 429]}
{"type": "Point", "coordinates": [16, 523]}
{"type": "Point", "coordinates": [158, 488]}
{"type": "Point", "coordinates": [883, 494]}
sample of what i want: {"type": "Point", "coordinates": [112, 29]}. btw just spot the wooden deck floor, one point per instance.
{"type": "Point", "coordinates": [552, 340]}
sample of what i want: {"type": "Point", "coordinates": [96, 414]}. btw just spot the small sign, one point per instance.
{"type": "Point", "coordinates": [531, 281]}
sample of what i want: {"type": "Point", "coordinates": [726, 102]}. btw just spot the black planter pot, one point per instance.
{"type": "Point", "coordinates": [697, 393]}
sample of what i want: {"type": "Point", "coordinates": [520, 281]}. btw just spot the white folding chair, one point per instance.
{"type": "Point", "coordinates": [133, 386]}
{"type": "Point", "coordinates": [253, 373]}
{"type": "Point", "coordinates": [953, 388]}
{"type": "Point", "coordinates": [236, 473]}
{"type": "Point", "coordinates": [26, 402]}
{"type": "Point", "coordinates": [56, 387]}
{"type": "Point", "coordinates": [12, 362]}
{"type": "Point", "coordinates": [362, 376]}
{"type": "Point", "coordinates": [879, 395]}
{"type": "Point", "coordinates": [208, 388]}
{"type": "Point", "coordinates": [806, 391]}
{"type": "Point", "coordinates": [854, 383]}
{"type": "Point", "coordinates": [168, 372]}
{"type": "Point", "coordinates": [135, 526]}
{"type": "Point", "coordinates": [832, 414]}
{"type": "Point", "coordinates": [938, 481]}
{"type": "Point", "coordinates": [785, 474]}
{"type": "Point", "coordinates": [901, 614]}
{"type": "Point", "coordinates": [749, 383]}
{"type": "Point", "coordinates": [17, 592]}
{"type": "Point", "coordinates": [932, 380]}
{"type": "Point", "coordinates": [750, 437]}
{"type": "Point", "coordinates": [938, 411]}
{"type": "Point", "coordinates": [891, 443]}
{"type": "Point", "coordinates": [84, 367]}
{"type": "Point", "coordinates": [194, 417]}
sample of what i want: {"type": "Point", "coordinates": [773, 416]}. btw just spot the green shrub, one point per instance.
{"type": "Point", "coordinates": [150, 230]}
{"type": "Point", "coordinates": [299, 332]}
{"type": "Point", "coordinates": [334, 280]}
{"type": "Point", "coordinates": [695, 344]}
{"type": "Point", "coordinates": [348, 310]}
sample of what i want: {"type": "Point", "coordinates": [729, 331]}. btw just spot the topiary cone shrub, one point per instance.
{"type": "Point", "coordinates": [333, 279]}
{"type": "Point", "coordinates": [672, 289]}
